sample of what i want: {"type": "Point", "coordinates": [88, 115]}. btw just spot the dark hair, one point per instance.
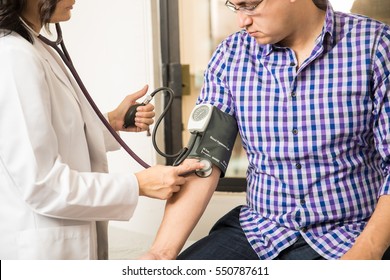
{"type": "Point", "coordinates": [321, 4]}
{"type": "Point", "coordinates": [11, 11]}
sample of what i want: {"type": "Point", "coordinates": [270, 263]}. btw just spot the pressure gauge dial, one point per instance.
{"type": "Point", "coordinates": [200, 117]}
{"type": "Point", "coordinates": [200, 113]}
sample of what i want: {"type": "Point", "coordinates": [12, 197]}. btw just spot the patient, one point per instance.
{"type": "Point", "coordinates": [309, 89]}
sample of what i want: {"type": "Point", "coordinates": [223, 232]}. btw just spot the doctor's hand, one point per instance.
{"type": "Point", "coordinates": [143, 118]}
{"type": "Point", "coordinates": [163, 182]}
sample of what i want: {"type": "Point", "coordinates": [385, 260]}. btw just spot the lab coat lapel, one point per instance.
{"type": "Point", "coordinates": [57, 65]}
{"type": "Point", "coordinates": [95, 138]}
{"type": "Point", "coordinates": [93, 131]}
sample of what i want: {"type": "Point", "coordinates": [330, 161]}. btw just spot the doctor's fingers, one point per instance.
{"type": "Point", "coordinates": [158, 182]}
{"type": "Point", "coordinates": [148, 108]}
{"type": "Point", "coordinates": [143, 119]}
{"type": "Point", "coordinates": [142, 124]}
{"type": "Point", "coordinates": [163, 192]}
{"type": "Point", "coordinates": [177, 175]}
{"type": "Point", "coordinates": [188, 167]}
{"type": "Point", "coordinates": [145, 113]}
{"type": "Point", "coordinates": [158, 190]}
{"type": "Point", "coordinates": [138, 94]}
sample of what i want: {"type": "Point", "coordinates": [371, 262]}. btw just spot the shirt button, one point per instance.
{"type": "Point", "coordinates": [304, 229]}
{"type": "Point", "coordinates": [298, 166]}
{"type": "Point", "coordinates": [292, 64]}
{"type": "Point", "coordinates": [293, 94]}
{"type": "Point", "coordinates": [303, 202]}
{"type": "Point", "coordinates": [295, 131]}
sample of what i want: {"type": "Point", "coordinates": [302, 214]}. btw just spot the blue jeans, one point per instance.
{"type": "Point", "coordinates": [227, 241]}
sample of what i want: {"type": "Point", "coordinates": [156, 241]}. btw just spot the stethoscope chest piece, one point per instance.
{"type": "Point", "coordinates": [206, 170]}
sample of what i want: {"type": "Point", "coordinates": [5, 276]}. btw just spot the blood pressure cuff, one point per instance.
{"type": "Point", "coordinates": [217, 141]}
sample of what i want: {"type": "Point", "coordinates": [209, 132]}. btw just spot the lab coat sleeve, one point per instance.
{"type": "Point", "coordinates": [109, 140]}
{"type": "Point", "coordinates": [29, 151]}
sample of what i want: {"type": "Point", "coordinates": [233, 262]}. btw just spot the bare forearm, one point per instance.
{"type": "Point", "coordinates": [182, 213]}
{"type": "Point", "coordinates": [375, 238]}
{"type": "Point", "coordinates": [378, 228]}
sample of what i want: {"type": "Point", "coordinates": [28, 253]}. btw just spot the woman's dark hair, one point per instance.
{"type": "Point", "coordinates": [11, 11]}
{"type": "Point", "coordinates": [321, 4]}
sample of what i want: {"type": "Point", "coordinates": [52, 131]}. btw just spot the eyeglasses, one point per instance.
{"type": "Point", "coordinates": [246, 9]}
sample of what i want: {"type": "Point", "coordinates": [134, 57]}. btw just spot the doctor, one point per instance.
{"type": "Point", "coordinates": [55, 193]}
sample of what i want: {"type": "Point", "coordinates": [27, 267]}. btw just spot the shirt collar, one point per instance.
{"type": "Point", "coordinates": [329, 27]}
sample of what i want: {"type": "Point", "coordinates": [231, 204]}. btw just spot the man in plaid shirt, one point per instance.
{"type": "Point", "coordinates": [309, 88]}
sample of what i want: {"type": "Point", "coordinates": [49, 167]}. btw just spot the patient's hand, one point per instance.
{"type": "Point", "coordinates": [148, 256]}
{"type": "Point", "coordinates": [153, 256]}
{"type": "Point", "coordinates": [363, 250]}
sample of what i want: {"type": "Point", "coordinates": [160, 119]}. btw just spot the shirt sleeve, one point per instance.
{"type": "Point", "coordinates": [381, 93]}
{"type": "Point", "coordinates": [216, 90]}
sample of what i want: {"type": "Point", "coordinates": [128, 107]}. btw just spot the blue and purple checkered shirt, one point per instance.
{"type": "Point", "coordinates": [317, 138]}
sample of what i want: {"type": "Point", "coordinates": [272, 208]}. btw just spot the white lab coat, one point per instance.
{"type": "Point", "coordinates": [55, 194]}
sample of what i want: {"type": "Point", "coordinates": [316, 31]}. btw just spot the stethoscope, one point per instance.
{"type": "Point", "coordinates": [63, 53]}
